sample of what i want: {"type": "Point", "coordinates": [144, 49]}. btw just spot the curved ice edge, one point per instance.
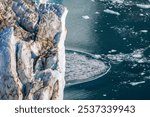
{"type": "Point", "coordinates": [80, 81]}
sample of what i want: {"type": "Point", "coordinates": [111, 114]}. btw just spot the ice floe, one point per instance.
{"type": "Point", "coordinates": [118, 1]}
{"type": "Point", "coordinates": [83, 67]}
{"type": "Point", "coordinates": [97, 12]}
{"type": "Point", "coordinates": [85, 17]}
{"type": "Point", "coordinates": [144, 31]}
{"type": "Point", "coordinates": [111, 12]}
{"type": "Point", "coordinates": [136, 83]}
{"type": "Point", "coordinates": [93, 0]}
{"type": "Point", "coordinates": [137, 53]}
{"type": "Point", "coordinates": [112, 51]}
{"type": "Point", "coordinates": [136, 56]}
{"type": "Point", "coordinates": [143, 6]}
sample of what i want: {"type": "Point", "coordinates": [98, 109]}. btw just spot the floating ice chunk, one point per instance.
{"type": "Point", "coordinates": [104, 95]}
{"type": "Point", "coordinates": [142, 74]}
{"type": "Point", "coordinates": [141, 14]}
{"type": "Point", "coordinates": [124, 38]}
{"type": "Point", "coordinates": [97, 12]}
{"type": "Point", "coordinates": [112, 51]}
{"type": "Point", "coordinates": [93, 0]}
{"type": "Point", "coordinates": [136, 83]}
{"type": "Point", "coordinates": [143, 6]}
{"type": "Point", "coordinates": [111, 12]}
{"type": "Point", "coordinates": [95, 30]}
{"type": "Point", "coordinates": [118, 1]}
{"type": "Point", "coordinates": [86, 17]}
{"type": "Point", "coordinates": [97, 56]}
{"type": "Point", "coordinates": [141, 61]}
{"type": "Point", "coordinates": [137, 54]}
{"type": "Point", "coordinates": [144, 31]}
{"type": "Point", "coordinates": [147, 77]}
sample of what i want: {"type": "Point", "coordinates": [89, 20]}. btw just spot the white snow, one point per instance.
{"type": "Point", "coordinates": [61, 55]}
{"type": "Point", "coordinates": [111, 12]}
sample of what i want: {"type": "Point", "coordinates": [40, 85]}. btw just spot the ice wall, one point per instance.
{"type": "Point", "coordinates": [32, 51]}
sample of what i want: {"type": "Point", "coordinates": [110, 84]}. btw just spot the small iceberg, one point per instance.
{"type": "Point", "coordinates": [143, 6]}
{"type": "Point", "coordinates": [137, 53]}
{"type": "Point", "coordinates": [144, 31]}
{"type": "Point", "coordinates": [86, 17]}
{"type": "Point", "coordinates": [97, 12]}
{"type": "Point", "coordinates": [93, 0]}
{"type": "Point", "coordinates": [118, 1]}
{"type": "Point", "coordinates": [111, 12]}
{"type": "Point", "coordinates": [136, 83]}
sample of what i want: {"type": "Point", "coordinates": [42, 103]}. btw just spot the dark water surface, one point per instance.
{"type": "Point", "coordinates": [118, 32]}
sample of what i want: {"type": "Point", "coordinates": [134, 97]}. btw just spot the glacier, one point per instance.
{"type": "Point", "coordinates": [32, 51]}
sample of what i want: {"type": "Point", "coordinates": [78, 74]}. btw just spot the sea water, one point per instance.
{"type": "Point", "coordinates": [118, 32]}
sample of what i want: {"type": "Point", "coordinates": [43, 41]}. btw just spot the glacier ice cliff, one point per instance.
{"type": "Point", "coordinates": [32, 51]}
